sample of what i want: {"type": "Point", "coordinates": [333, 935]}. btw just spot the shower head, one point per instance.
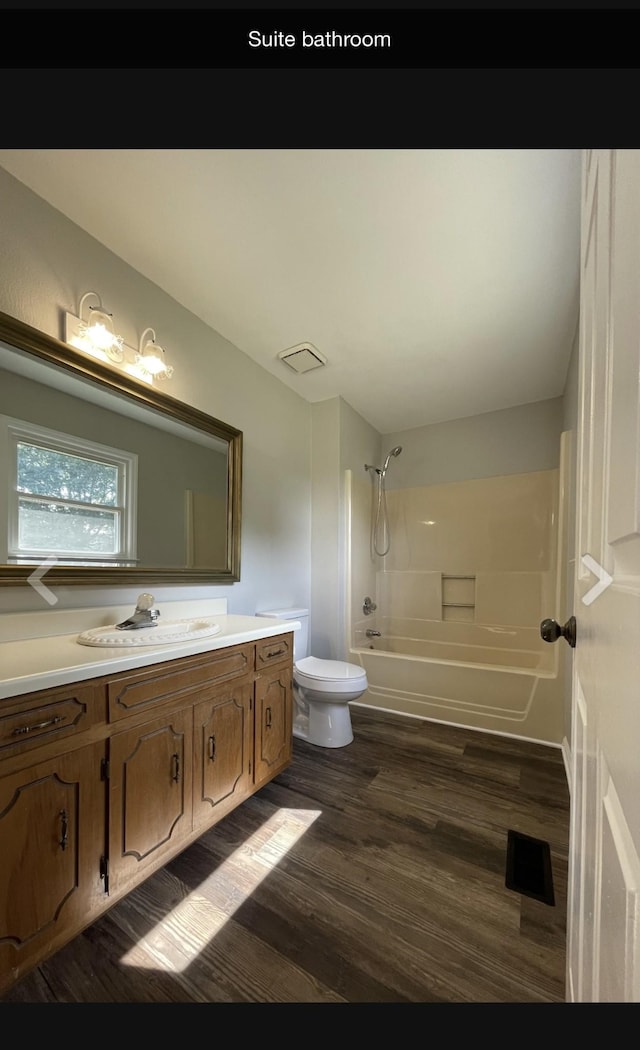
{"type": "Point", "coordinates": [394, 452]}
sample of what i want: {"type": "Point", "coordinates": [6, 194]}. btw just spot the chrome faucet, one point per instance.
{"type": "Point", "coordinates": [370, 633]}
{"type": "Point", "coordinates": [369, 606]}
{"type": "Point", "coordinates": [145, 614]}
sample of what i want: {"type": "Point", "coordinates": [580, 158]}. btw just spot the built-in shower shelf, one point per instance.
{"type": "Point", "coordinates": [458, 593]}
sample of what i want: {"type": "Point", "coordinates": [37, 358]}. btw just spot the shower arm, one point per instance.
{"type": "Point", "coordinates": [381, 471]}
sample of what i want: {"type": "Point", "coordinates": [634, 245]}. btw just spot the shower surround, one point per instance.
{"type": "Point", "coordinates": [472, 569]}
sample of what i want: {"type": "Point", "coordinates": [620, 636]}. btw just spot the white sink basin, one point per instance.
{"type": "Point", "coordinates": [166, 633]}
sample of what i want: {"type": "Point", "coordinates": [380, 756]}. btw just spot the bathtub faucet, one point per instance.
{"type": "Point", "coordinates": [369, 606]}
{"type": "Point", "coordinates": [370, 633]}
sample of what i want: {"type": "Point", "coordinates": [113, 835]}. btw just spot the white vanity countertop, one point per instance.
{"type": "Point", "coordinates": [32, 663]}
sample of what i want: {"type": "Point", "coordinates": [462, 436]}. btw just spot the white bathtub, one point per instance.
{"type": "Point", "coordinates": [503, 680]}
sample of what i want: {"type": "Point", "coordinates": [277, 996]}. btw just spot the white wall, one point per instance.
{"type": "Point", "coordinates": [359, 444]}
{"type": "Point", "coordinates": [511, 441]}
{"type": "Point", "coordinates": [325, 529]}
{"type": "Point", "coordinates": [342, 440]}
{"type": "Point", "coordinates": [46, 264]}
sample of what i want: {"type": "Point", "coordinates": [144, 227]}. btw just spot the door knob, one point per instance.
{"type": "Point", "coordinates": [550, 631]}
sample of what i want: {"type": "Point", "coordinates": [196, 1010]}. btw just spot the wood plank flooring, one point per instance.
{"type": "Point", "coordinates": [373, 873]}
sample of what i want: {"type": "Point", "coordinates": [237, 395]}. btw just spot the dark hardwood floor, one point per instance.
{"type": "Point", "coordinates": [373, 873]}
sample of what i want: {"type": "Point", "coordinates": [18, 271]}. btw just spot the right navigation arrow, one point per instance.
{"type": "Point", "coordinates": [604, 579]}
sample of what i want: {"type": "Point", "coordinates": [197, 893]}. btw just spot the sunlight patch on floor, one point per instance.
{"type": "Point", "coordinates": [183, 933]}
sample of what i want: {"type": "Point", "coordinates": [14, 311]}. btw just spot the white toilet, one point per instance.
{"type": "Point", "coordinates": [322, 689]}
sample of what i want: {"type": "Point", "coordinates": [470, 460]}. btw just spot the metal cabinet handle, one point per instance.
{"type": "Point", "coordinates": [176, 768]}
{"type": "Point", "coordinates": [212, 747]}
{"type": "Point", "coordinates": [276, 652]}
{"type": "Point", "coordinates": [65, 829]}
{"type": "Point", "coordinates": [39, 725]}
{"type": "Point", "coordinates": [268, 718]}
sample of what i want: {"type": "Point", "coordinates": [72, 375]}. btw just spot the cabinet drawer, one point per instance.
{"type": "Point", "coordinates": [38, 718]}
{"type": "Point", "coordinates": [151, 689]}
{"type": "Point", "coordinates": [272, 651]}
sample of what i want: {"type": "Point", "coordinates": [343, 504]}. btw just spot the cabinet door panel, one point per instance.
{"type": "Point", "coordinates": [51, 844]}
{"type": "Point", "coordinates": [223, 744]}
{"type": "Point", "coordinates": [150, 794]}
{"type": "Point", "coordinates": [273, 730]}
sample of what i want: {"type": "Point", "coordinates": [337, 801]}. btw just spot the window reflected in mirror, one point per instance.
{"type": "Point", "coordinates": [103, 477]}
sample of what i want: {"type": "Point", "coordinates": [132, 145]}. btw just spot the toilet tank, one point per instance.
{"type": "Point", "coordinates": [300, 637]}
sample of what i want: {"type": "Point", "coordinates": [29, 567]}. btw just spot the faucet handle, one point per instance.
{"type": "Point", "coordinates": [145, 601]}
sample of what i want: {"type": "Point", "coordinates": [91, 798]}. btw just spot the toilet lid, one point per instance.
{"type": "Point", "coordinates": [329, 670]}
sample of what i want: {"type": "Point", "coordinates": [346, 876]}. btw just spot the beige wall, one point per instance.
{"type": "Point", "coordinates": [499, 533]}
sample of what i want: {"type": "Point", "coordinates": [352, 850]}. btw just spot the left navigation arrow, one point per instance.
{"type": "Point", "coordinates": [36, 581]}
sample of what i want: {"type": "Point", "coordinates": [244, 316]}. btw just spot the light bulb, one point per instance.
{"type": "Point", "coordinates": [99, 331]}
{"type": "Point", "coordinates": [153, 359]}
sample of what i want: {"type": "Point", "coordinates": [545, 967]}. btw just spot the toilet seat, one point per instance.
{"type": "Point", "coordinates": [336, 676]}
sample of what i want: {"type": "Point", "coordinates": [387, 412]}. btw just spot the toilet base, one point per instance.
{"type": "Point", "coordinates": [326, 725]}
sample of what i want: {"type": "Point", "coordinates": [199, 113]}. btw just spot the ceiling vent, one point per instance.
{"type": "Point", "coordinates": [303, 357]}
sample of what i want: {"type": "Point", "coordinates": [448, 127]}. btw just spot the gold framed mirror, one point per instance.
{"type": "Point", "coordinates": [163, 503]}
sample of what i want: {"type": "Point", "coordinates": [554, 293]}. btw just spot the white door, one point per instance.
{"type": "Point", "coordinates": [603, 922]}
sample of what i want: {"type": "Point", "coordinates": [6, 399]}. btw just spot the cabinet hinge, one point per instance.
{"type": "Point", "coordinates": [104, 769]}
{"type": "Point", "coordinates": [104, 872]}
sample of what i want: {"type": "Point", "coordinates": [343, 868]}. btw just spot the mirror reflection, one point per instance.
{"type": "Point", "coordinates": [112, 482]}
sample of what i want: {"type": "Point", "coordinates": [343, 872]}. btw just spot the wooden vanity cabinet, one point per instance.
{"type": "Point", "coordinates": [273, 738]}
{"type": "Point", "coordinates": [150, 797]}
{"type": "Point", "coordinates": [103, 782]}
{"type": "Point", "coordinates": [52, 843]}
{"type": "Point", "coordinates": [223, 752]}
{"type": "Point", "coordinates": [52, 820]}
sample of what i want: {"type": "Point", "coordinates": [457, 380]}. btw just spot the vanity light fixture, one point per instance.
{"type": "Point", "coordinates": [98, 330]}
{"type": "Point", "coordinates": [92, 332]}
{"type": "Point", "coordinates": [152, 358]}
